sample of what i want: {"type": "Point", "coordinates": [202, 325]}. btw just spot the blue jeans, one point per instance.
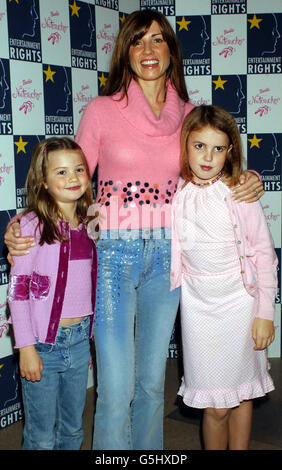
{"type": "Point", "coordinates": [53, 407]}
{"type": "Point", "coordinates": [134, 318]}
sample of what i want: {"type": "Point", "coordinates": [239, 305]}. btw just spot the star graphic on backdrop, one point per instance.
{"type": "Point", "coordinates": [183, 24]}
{"type": "Point", "coordinates": [21, 145]}
{"type": "Point", "coordinates": [219, 83]}
{"type": "Point", "coordinates": [122, 18]}
{"type": "Point", "coordinates": [1, 365]}
{"type": "Point", "coordinates": [102, 79]}
{"type": "Point", "coordinates": [255, 22]}
{"type": "Point", "coordinates": [74, 9]}
{"type": "Point", "coordinates": [255, 141]}
{"type": "Point", "coordinates": [49, 74]}
{"type": "Point", "coordinates": [17, 1]}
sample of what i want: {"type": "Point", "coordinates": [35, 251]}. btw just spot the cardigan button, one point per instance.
{"type": "Point", "coordinates": [239, 242]}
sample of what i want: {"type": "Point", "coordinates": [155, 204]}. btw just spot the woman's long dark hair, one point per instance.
{"type": "Point", "coordinates": [135, 27]}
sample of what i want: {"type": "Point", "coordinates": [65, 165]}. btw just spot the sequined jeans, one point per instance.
{"type": "Point", "coordinates": [134, 318]}
{"type": "Point", "coordinates": [54, 405]}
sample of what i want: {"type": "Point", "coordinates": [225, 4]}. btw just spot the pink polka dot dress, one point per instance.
{"type": "Point", "coordinates": [221, 368]}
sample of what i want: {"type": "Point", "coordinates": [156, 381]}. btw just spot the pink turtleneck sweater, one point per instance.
{"type": "Point", "coordinates": [137, 155]}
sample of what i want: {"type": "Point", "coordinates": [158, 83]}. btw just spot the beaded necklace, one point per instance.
{"type": "Point", "coordinates": [209, 182]}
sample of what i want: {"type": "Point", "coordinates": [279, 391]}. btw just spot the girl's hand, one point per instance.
{"type": "Point", "coordinates": [250, 188]}
{"type": "Point", "coordinates": [31, 364]}
{"type": "Point", "coordinates": [263, 333]}
{"type": "Point", "coordinates": [16, 244]}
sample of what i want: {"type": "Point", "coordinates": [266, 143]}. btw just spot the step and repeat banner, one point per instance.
{"type": "Point", "coordinates": [54, 58]}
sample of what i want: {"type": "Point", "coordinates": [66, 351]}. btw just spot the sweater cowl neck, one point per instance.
{"type": "Point", "coordinates": [137, 110]}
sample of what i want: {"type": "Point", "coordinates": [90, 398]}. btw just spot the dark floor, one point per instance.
{"type": "Point", "coordinates": [182, 424]}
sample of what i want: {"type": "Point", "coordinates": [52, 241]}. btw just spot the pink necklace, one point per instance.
{"type": "Point", "coordinates": [209, 182]}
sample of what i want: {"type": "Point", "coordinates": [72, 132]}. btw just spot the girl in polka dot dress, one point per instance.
{"type": "Point", "coordinates": [223, 258]}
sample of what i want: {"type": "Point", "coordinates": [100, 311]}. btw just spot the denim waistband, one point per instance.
{"type": "Point", "coordinates": [135, 234]}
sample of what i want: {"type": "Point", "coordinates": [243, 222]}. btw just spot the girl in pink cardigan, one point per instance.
{"type": "Point", "coordinates": [52, 296]}
{"type": "Point", "coordinates": [223, 259]}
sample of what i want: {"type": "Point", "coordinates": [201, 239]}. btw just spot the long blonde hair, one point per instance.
{"type": "Point", "coordinates": [38, 198]}
{"type": "Point", "coordinates": [218, 118]}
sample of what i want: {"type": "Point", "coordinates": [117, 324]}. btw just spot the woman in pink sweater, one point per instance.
{"type": "Point", "coordinates": [132, 134]}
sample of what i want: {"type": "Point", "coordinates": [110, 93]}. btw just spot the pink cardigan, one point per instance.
{"type": "Point", "coordinates": [255, 251]}
{"type": "Point", "coordinates": [137, 155]}
{"type": "Point", "coordinates": [38, 283]}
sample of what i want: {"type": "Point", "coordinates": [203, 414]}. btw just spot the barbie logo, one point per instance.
{"type": "Point", "coordinates": [27, 96]}
{"type": "Point", "coordinates": [197, 100]}
{"type": "Point", "coordinates": [82, 97]}
{"type": "Point", "coordinates": [49, 23]}
{"type": "Point", "coordinates": [227, 43]}
{"type": "Point", "coordinates": [263, 102]}
{"type": "Point", "coordinates": [222, 40]}
{"type": "Point", "coordinates": [109, 37]}
{"type": "Point", "coordinates": [22, 92]}
{"type": "Point", "coordinates": [103, 34]}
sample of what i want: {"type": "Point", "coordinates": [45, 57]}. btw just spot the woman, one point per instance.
{"type": "Point", "coordinates": [133, 134]}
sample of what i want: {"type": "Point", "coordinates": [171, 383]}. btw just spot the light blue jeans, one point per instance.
{"type": "Point", "coordinates": [134, 318]}
{"type": "Point", "coordinates": [53, 407]}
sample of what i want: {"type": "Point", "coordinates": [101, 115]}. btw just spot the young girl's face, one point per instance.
{"type": "Point", "coordinates": [207, 150]}
{"type": "Point", "coordinates": [66, 176]}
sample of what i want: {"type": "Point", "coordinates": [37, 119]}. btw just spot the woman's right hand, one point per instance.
{"type": "Point", "coordinates": [16, 244]}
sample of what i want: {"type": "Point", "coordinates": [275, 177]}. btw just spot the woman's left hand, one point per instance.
{"type": "Point", "coordinates": [250, 188]}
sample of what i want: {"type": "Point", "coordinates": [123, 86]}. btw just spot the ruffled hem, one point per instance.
{"type": "Point", "coordinates": [228, 398]}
